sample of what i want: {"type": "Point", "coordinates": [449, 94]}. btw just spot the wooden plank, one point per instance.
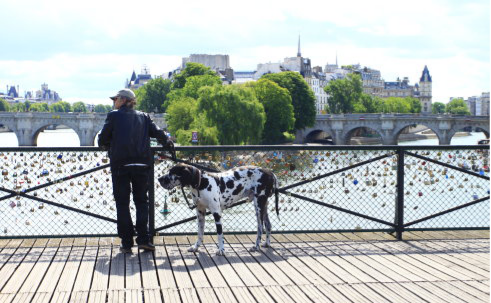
{"type": "Point", "coordinates": [299, 264]}
{"type": "Point", "coordinates": [39, 270]}
{"type": "Point", "coordinates": [291, 272]}
{"type": "Point", "coordinates": [133, 296]}
{"type": "Point", "coordinates": [166, 276]}
{"type": "Point", "coordinates": [337, 263]}
{"type": "Point", "coordinates": [441, 289]}
{"type": "Point", "coordinates": [479, 286]}
{"type": "Point", "coordinates": [332, 293]}
{"type": "Point", "coordinates": [281, 294]}
{"type": "Point", "coordinates": [460, 261]}
{"type": "Point", "coordinates": [186, 289]}
{"type": "Point", "coordinates": [215, 278]}
{"type": "Point", "coordinates": [387, 291]}
{"type": "Point", "coordinates": [152, 295]}
{"type": "Point", "coordinates": [351, 293]}
{"type": "Point", "coordinates": [406, 254]}
{"type": "Point", "coordinates": [100, 278]}
{"type": "Point", "coordinates": [466, 292]}
{"type": "Point", "coordinates": [369, 293]}
{"type": "Point", "coordinates": [196, 274]}
{"type": "Point", "coordinates": [22, 270]}
{"type": "Point", "coordinates": [171, 295]}
{"type": "Point", "coordinates": [116, 273]}
{"type": "Point", "coordinates": [97, 296]}
{"type": "Point", "coordinates": [423, 292]}
{"type": "Point", "coordinates": [132, 270]}
{"type": "Point", "coordinates": [261, 295]}
{"type": "Point", "coordinates": [69, 273]}
{"type": "Point", "coordinates": [150, 279]}
{"type": "Point", "coordinates": [404, 292]}
{"type": "Point", "coordinates": [86, 270]}
{"type": "Point", "coordinates": [242, 294]}
{"type": "Point", "coordinates": [53, 274]}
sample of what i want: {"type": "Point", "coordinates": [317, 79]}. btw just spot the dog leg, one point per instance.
{"type": "Point", "coordinates": [267, 225]}
{"type": "Point", "coordinates": [259, 203]}
{"type": "Point", "coordinates": [218, 223]}
{"type": "Point", "coordinates": [200, 213]}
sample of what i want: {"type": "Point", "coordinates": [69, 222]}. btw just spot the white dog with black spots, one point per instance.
{"type": "Point", "coordinates": [217, 191]}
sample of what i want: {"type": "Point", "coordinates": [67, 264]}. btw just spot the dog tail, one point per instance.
{"type": "Point", "coordinates": [276, 194]}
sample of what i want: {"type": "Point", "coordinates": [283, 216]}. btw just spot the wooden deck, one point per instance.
{"type": "Point", "coordinates": [337, 267]}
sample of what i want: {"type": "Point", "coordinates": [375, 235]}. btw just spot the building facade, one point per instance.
{"type": "Point", "coordinates": [137, 81]}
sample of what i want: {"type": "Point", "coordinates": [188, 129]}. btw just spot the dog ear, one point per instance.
{"type": "Point", "coordinates": [188, 175]}
{"type": "Point", "coordinates": [195, 176]}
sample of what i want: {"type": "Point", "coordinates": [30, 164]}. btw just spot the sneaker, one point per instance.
{"type": "Point", "coordinates": [147, 247]}
{"type": "Point", "coordinates": [125, 250]}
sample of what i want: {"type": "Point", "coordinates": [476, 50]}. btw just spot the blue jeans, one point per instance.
{"type": "Point", "coordinates": [127, 179]}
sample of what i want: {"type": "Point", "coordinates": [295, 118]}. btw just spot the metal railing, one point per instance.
{"type": "Point", "coordinates": [60, 192]}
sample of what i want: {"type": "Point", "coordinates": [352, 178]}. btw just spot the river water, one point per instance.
{"type": "Point", "coordinates": [68, 138]}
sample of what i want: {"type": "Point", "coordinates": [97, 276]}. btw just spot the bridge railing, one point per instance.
{"type": "Point", "coordinates": [59, 192]}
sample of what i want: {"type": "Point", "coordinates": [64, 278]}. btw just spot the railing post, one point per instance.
{"type": "Point", "coordinates": [151, 200]}
{"type": "Point", "coordinates": [399, 215]}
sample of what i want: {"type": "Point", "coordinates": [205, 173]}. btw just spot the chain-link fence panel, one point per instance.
{"type": "Point", "coordinates": [320, 190]}
{"type": "Point", "coordinates": [68, 191]}
{"type": "Point", "coordinates": [56, 193]}
{"type": "Point", "coordinates": [437, 181]}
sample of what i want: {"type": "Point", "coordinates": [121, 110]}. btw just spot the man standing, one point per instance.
{"type": "Point", "coordinates": [126, 135]}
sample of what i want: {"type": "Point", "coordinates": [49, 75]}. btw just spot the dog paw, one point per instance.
{"type": "Point", "coordinates": [193, 249]}
{"type": "Point", "coordinates": [221, 252]}
{"type": "Point", "coordinates": [254, 248]}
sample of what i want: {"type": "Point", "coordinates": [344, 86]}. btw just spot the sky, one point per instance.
{"type": "Point", "coordinates": [85, 50]}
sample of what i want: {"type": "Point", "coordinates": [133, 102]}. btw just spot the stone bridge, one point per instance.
{"type": "Point", "coordinates": [390, 126]}
{"type": "Point", "coordinates": [27, 126]}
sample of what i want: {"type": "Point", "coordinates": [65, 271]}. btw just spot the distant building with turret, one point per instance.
{"type": "Point", "coordinates": [137, 81]}
{"type": "Point", "coordinates": [45, 95]}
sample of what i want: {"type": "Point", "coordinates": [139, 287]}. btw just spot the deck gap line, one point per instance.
{"type": "Point", "coordinates": [76, 275]}
{"type": "Point", "coordinates": [172, 270]}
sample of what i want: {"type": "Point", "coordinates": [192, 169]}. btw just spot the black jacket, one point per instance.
{"type": "Point", "coordinates": [126, 135]}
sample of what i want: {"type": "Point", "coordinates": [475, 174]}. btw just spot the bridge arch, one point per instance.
{"type": "Point", "coordinates": [400, 128]}
{"type": "Point", "coordinates": [37, 130]}
{"type": "Point", "coordinates": [350, 132]}
{"type": "Point", "coordinates": [11, 127]}
{"type": "Point", "coordinates": [466, 127]}
{"type": "Point", "coordinates": [319, 135]}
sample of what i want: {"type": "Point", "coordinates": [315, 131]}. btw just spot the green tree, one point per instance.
{"type": "Point", "coordinates": [60, 107]}
{"type": "Point", "coordinates": [343, 94]}
{"type": "Point", "coordinates": [100, 108]}
{"type": "Point", "coordinates": [191, 69]}
{"type": "Point", "coordinates": [368, 104]}
{"type": "Point", "coordinates": [396, 105]}
{"type": "Point", "coordinates": [278, 107]}
{"type": "Point", "coordinates": [109, 108]}
{"type": "Point", "coordinates": [18, 107]}
{"type": "Point", "coordinates": [4, 105]}
{"type": "Point", "coordinates": [457, 107]}
{"type": "Point", "coordinates": [27, 105]}
{"type": "Point", "coordinates": [303, 98]}
{"type": "Point", "coordinates": [151, 96]}
{"type": "Point", "coordinates": [191, 88]}
{"type": "Point", "coordinates": [437, 108]}
{"type": "Point", "coordinates": [414, 105]}
{"type": "Point", "coordinates": [79, 107]}
{"type": "Point", "coordinates": [181, 114]}
{"type": "Point", "coordinates": [234, 111]}
{"type": "Point", "coordinates": [39, 107]}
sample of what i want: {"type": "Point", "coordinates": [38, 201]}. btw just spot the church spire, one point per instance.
{"type": "Point", "coordinates": [299, 54]}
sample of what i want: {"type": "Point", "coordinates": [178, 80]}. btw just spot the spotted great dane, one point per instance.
{"type": "Point", "coordinates": [217, 191]}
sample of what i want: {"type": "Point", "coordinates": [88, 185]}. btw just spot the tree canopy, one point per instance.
{"type": "Point", "coordinates": [191, 69]}
{"type": "Point", "coordinates": [4, 105]}
{"type": "Point", "coordinates": [79, 107]}
{"type": "Point", "coordinates": [39, 107]}
{"type": "Point", "coordinates": [151, 96]}
{"type": "Point", "coordinates": [60, 107]}
{"type": "Point", "coordinates": [278, 107]}
{"type": "Point", "coordinates": [343, 94]}
{"type": "Point", "coordinates": [100, 108]}
{"type": "Point", "coordinates": [437, 108]}
{"type": "Point", "coordinates": [457, 107]}
{"type": "Point", "coordinates": [303, 98]}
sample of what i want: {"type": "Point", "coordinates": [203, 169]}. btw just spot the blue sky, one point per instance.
{"type": "Point", "coordinates": [86, 50]}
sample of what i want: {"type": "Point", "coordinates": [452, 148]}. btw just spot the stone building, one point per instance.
{"type": "Point", "coordinates": [218, 63]}
{"type": "Point", "coordinates": [137, 81]}
{"type": "Point", "coordinates": [478, 105]}
{"type": "Point", "coordinates": [45, 95]}
{"type": "Point", "coordinates": [425, 91]}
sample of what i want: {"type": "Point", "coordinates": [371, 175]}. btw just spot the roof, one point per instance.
{"type": "Point", "coordinates": [426, 73]}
